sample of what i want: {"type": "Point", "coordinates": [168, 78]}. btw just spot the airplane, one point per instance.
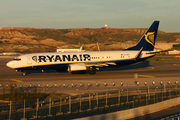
{"type": "Point", "coordinates": [82, 62]}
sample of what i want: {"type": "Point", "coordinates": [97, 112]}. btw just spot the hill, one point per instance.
{"type": "Point", "coordinates": [28, 40]}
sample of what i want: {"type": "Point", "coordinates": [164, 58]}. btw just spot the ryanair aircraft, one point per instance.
{"type": "Point", "coordinates": [75, 62]}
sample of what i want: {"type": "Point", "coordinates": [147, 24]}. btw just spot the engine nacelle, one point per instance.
{"type": "Point", "coordinates": [77, 68]}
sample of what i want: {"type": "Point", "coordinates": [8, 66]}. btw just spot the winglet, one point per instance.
{"type": "Point", "coordinates": [138, 54]}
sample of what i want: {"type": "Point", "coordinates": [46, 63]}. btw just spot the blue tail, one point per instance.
{"type": "Point", "coordinates": [148, 40]}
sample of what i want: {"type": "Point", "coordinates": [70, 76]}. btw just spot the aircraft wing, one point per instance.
{"type": "Point", "coordinates": [100, 64]}
{"type": "Point", "coordinates": [111, 63]}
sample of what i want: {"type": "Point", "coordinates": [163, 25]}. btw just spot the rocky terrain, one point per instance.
{"type": "Point", "coordinates": [43, 40]}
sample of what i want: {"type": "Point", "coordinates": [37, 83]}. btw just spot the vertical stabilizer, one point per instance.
{"type": "Point", "coordinates": [148, 39]}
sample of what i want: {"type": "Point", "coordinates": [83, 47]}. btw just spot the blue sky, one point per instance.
{"type": "Point", "coordinates": [62, 14]}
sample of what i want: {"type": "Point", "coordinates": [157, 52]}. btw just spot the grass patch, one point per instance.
{"type": "Point", "coordinates": [164, 59]}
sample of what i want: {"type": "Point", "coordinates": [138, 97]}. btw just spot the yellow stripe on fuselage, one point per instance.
{"type": "Point", "coordinates": [138, 53]}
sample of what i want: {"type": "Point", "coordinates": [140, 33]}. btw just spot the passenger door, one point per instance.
{"type": "Point", "coordinates": [29, 60]}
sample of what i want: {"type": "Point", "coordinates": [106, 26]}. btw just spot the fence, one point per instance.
{"type": "Point", "coordinates": [14, 105]}
{"type": "Point", "coordinates": [173, 118]}
{"type": "Point", "coordinates": [94, 103]}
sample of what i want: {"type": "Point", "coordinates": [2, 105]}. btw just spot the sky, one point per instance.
{"type": "Point", "coordinates": [65, 14]}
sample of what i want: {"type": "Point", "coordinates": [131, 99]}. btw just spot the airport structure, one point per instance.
{"type": "Point", "coordinates": [70, 50]}
{"type": "Point", "coordinates": [10, 54]}
{"type": "Point", "coordinates": [174, 52]}
{"type": "Point", "coordinates": [106, 26]}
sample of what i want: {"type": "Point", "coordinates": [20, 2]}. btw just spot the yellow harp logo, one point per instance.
{"type": "Point", "coordinates": [150, 38]}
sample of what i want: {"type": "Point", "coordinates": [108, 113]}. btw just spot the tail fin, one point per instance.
{"type": "Point", "coordinates": [148, 39]}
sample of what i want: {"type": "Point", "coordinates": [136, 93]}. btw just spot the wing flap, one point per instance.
{"type": "Point", "coordinates": [102, 64]}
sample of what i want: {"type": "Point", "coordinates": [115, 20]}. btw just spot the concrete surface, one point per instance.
{"type": "Point", "coordinates": [146, 71]}
{"type": "Point", "coordinates": [139, 111]}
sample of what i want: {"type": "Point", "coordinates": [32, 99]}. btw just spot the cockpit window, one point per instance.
{"type": "Point", "coordinates": [17, 59]}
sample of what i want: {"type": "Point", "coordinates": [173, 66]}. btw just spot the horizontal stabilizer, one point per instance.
{"type": "Point", "coordinates": [154, 52]}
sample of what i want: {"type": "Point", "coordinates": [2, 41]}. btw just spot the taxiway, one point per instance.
{"type": "Point", "coordinates": [147, 71]}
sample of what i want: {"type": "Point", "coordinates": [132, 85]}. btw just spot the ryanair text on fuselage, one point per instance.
{"type": "Point", "coordinates": [62, 58]}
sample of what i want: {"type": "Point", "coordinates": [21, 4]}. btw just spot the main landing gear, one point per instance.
{"type": "Point", "coordinates": [24, 74]}
{"type": "Point", "coordinates": [92, 71]}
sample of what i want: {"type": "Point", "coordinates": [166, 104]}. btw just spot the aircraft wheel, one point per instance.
{"type": "Point", "coordinates": [91, 72]}
{"type": "Point", "coordinates": [24, 74]}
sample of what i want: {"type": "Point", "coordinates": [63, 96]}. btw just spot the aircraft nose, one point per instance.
{"type": "Point", "coordinates": [9, 64]}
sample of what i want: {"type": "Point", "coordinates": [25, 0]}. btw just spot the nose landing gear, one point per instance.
{"type": "Point", "coordinates": [24, 74]}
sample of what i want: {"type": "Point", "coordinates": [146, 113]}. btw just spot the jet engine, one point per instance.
{"type": "Point", "coordinates": [77, 68]}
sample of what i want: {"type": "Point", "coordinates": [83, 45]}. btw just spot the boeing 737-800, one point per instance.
{"type": "Point", "coordinates": [74, 62]}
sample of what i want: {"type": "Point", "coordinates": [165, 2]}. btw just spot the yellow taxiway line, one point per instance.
{"type": "Point", "coordinates": [147, 76]}
{"type": "Point", "coordinates": [140, 69]}
{"type": "Point", "coordinates": [176, 64]}
{"type": "Point", "coordinates": [16, 80]}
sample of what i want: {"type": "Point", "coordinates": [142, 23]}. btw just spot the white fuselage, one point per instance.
{"type": "Point", "coordinates": [61, 58]}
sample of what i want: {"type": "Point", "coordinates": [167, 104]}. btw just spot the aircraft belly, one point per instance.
{"type": "Point", "coordinates": [46, 67]}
